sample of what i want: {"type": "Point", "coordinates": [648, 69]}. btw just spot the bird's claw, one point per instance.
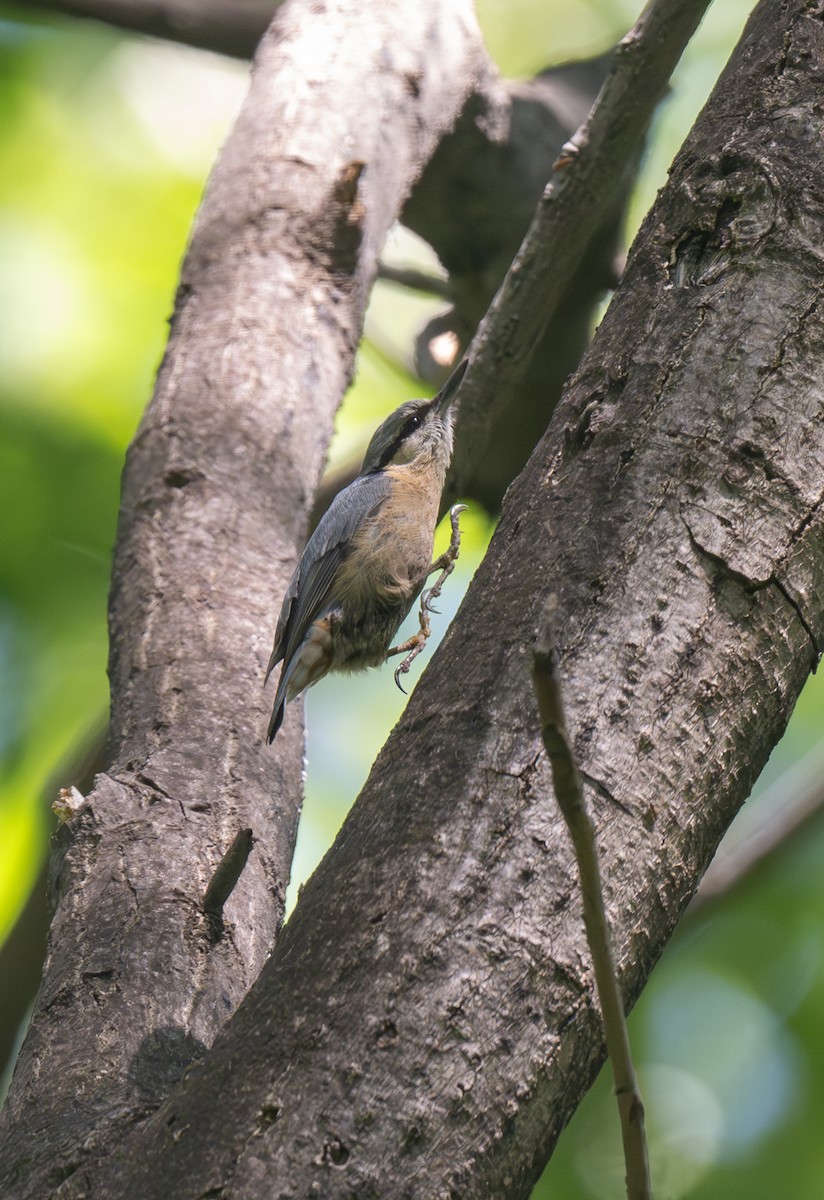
{"type": "Point", "coordinates": [417, 644]}
{"type": "Point", "coordinates": [426, 602]}
{"type": "Point", "coordinates": [445, 564]}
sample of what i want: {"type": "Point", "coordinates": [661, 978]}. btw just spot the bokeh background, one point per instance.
{"type": "Point", "coordinates": [105, 143]}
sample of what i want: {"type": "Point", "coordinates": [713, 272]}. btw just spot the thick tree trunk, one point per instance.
{"type": "Point", "coordinates": [426, 1025]}
{"type": "Point", "coordinates": [142, 970]}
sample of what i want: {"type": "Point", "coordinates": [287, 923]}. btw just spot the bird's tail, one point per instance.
{"type": "Point", "coordinates": [278, 708]}
{"type": "Point", "coordinates": [282, 697]}
{"type": "Point", "coordinates": [276, 720]}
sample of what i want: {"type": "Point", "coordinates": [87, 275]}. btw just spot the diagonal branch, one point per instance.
{"type": "Point", "coordinates": [776, 819]}
{"type": "Point", "coordinates": [577, 201]}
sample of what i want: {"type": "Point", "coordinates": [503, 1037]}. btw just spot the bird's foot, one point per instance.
{"type": "Point", "coordinates": [418, 643]}
{"type": "Point", "coordinates": [413, 646]}
{"type": "Point", "coordinates": [446, 563]}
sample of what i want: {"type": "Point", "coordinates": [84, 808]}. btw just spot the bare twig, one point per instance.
{"type": "Point", "coordinates": [233, 29]}
{"type": "Point", "coordinates": [416, 281]}
{"type": "Point", "coordinates": [575, 204]}
{"type": "Point", "coordinates": [763, 826]}
{"type": "Point", "coordinates": [446, 564]}
{"type": "Point", "coordinates": [570, 796]}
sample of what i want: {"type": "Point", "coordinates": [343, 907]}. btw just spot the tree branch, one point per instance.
{"type": "Point", "coordinates": [233, 28]}
{"type": "Point", "coordinates": [216, 492]}
{"type": "Point", "coordinates": [418, 281]}
{"type": "Point", "coordinates": [580, 197]}
{"type": "Point", "coordinates": [676, 509]}
{"type": "Point", "coordinates": [786, 809]}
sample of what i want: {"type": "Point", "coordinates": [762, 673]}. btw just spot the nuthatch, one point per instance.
{"type": "Point", "coordinates": [370, 555]}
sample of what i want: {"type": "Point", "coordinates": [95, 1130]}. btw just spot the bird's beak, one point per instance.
{"type": "Point", "coordinates": [450, 389]}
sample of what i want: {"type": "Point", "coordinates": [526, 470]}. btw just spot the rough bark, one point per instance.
{"type": "Point", "coordinates": [215, 496]}
{"type": "Point", "coordinates": [474, 203]}
{"type": "Point", "coordinates": [426, 1026]}
{"type": "Point", "coordinates": [579, 207]}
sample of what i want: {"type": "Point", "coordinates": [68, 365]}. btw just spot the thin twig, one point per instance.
{"type": "Point", "coordinates": [578, 200]}
{"type": "Point", "coordinates": [416, 281]}
{"type": "Point", "coordinates": [765, 824]}
{"type": "Point", "coordinates": [570, 796]}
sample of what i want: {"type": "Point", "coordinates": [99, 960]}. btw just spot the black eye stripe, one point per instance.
{"type": "Point", "coordinates": [412, 422]}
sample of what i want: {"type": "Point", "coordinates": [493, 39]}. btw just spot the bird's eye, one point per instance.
{"type": "Point", "coordinates": [413, 422]}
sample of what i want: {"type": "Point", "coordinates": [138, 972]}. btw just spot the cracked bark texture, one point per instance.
{"type": "Point", "coordinates": [577, 210]}
{"type": "Point", "coordinates": [426, 1025]}
{"type": "Point", "coordinates": [216, 491]}
{"type": "Point", "coordinates": [474, 204]}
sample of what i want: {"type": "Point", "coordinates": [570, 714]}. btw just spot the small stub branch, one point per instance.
{"type": "Point", "coordinates": [570, 796]}
{"type": "Point", "coordinates": [224, 880]}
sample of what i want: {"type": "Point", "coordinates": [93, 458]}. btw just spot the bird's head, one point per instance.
{"type": "Point", "coordinates": [417, 432]}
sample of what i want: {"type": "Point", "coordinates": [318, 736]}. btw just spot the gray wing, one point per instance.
{"type": "Point", "coordinates": [310, 590]}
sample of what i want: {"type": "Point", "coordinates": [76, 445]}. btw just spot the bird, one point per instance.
{"type": "Point", "coordinates": [370, 554]}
